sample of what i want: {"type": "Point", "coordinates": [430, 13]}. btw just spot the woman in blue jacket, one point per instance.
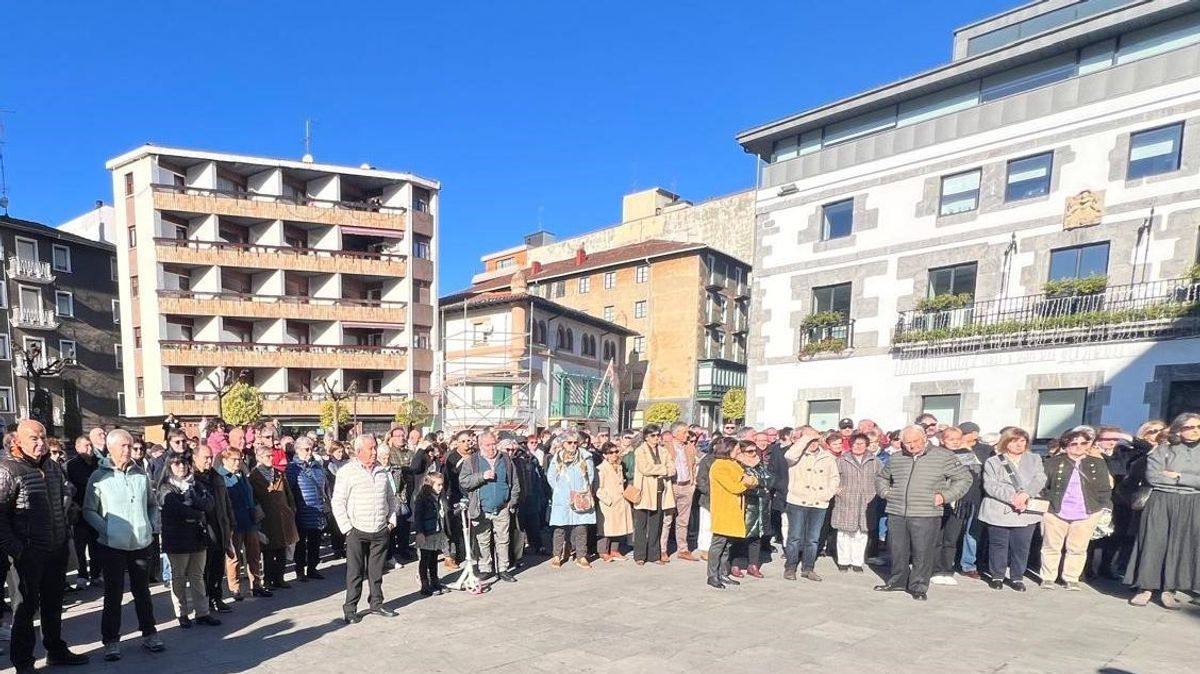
{"type": "Point", "coordinates": [573, 505]}
{"type": "Point", "coordinates": [306, 477]}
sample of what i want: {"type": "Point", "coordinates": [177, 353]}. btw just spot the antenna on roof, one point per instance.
{"type": "Point", "coordinates": [307, 158]}
{"type": "Point", "coordinates": [3, 175]}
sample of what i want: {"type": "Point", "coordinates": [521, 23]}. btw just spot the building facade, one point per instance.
{"type": "Point", "coordinates": [518, 361]}
{"type": "Point", "coordinates": [1010, 238]}
{"type": "Point", "coordinates": [60, 291]}
{"type": "Point", "coordinates": [686, 303]}
{"type": "Point", "coordinates": [301, 277]}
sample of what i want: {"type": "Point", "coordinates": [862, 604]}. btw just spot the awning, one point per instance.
{"type": "Point", "coordinates": [373, 231]}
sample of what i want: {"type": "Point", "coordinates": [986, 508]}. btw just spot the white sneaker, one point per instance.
{"type": "Point", "coordinates": [949, 580]}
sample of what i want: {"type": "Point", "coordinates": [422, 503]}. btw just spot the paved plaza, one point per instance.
{"type": "Point", "coordinates": [620, 618]}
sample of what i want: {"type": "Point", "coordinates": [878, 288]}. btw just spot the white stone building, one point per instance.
{"type": "Point", "coordinates": [1009, 238]}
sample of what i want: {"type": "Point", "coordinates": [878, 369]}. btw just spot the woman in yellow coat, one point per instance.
{"type": "Point", "coordinates": [728, 482]}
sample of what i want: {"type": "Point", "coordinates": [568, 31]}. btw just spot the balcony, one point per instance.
{"type": "Point", "coordinates": [233, 304]}
{"type": "Point", "coordinates": [741, 323]}
{"type": "Point", "coordinates": [277, 207]}
{"type": "Point", "coordinates": [716, 376]}
{"type": "Point", "coordinates": [257, 354]}
{"type": "Point", "coordinates": [1156, 310]}
{"type": "Point", "coordinates": [741, 290]}
{"type": "Point", "coordinates": [34, 319]}
{"type": "Point", "coordinates": [580, 397]}
{"type": "Point", "coordinates": [713, 314]}
{"type": "Point", "coordinates": [422, 223]}
{"type": "Point", "coordinates": [33, 271]}
{"type": "Point", "coordinates": [193, 404]}
{"type": "Point", "coordinates": [826, 335]}
{"type": "Point", "coordinates": [258, 256]}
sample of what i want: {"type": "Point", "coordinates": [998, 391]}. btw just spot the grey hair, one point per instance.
{"type": "Point", "coordinates": [569, 435]}
{"type": "Point", "coordinates": [1177, 423]}
{"type": "Point", "coordinates": [486, 434]}
{"type": "Point", "coordinates": [302, 443]}
{"type": "Point", "coordinates": [358, 440]}
{"type": "Point", "coordinates": [912, 428]}
{"type": "Point", "coordinates": [116, 435]}
{"type": "Point", "coordinates": [678, 425]}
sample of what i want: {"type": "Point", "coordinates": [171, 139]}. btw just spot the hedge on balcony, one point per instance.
{"type": "Point", "coordinates": [823, 319]}
{"type": "Point", "coordinates": [944, 302]}
{"type": "Point", "coordinates": [1088, 319]}
{"type": "Point", "coordinates": [1088, 285]}
{"type": "Point", "coordinates": [827, 345]}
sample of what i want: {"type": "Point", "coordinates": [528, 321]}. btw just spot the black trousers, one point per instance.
{"type": "Point", "coordinates": [214, 572]}
{"type": "Point", "coordinates": [748, 551]}
{"type": "Point", "coordinates": [952, 530]}
{"type": "Point", "coordinates": [718, 556]}
{"type": "Point", "coordinates": [1008, 547]}
{"type": "Point", "coordinates": [427, 569]}
{"type": "Point", "coordinates": [337, 540]}
{"type": "Point", "coordinates": [274, 562]}
{"type": "Point", "coordinates": [532, 525]}
{"type": "Point", "coordinates": [365, 555]}
{"type": "Point", "coordinates": [41, 578]}
{"type": "Point", "coordinates": [85, 551]}
{"type": "Point", "coordinates": [117, 564]}
{"type": "Point", "coordinates": [458, 543]}
{"type": "Point", "coordinates": [912, 542]}
{"type": "Point", "coordinates": [647, 533]}
{"type": "Point", "coordinates": [402, 537]}
{"type": "Point", "coordinates": [308, 551]}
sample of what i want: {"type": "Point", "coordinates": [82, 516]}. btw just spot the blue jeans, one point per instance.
{"type": "Point", "coordinates": [804, 526]}
{"type": "Point", "coordinates": [969, 542]}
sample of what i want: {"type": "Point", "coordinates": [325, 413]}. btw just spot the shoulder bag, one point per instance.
{"type": "Point", "coordinates": [1040, 506]}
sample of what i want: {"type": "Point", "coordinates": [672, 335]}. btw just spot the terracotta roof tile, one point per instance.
{"type": "Point", "coordinates": [597, 260]}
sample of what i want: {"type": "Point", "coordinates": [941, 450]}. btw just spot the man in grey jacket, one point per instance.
{"type": "Point", "coordinates": [489, 480]}
{"type": "Point", "coordinates": [917, 483]}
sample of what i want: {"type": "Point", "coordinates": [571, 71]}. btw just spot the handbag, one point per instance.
{"type": "Point", "coordinates": [1037, 505]}
{"type": "Point", "coordinates": [582, 501]}
{"type": "Point", "coordinates": [632, 494]}
{"type": "Point", "coordinates": [405, 510]}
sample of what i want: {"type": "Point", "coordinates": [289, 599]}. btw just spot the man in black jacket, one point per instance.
{"type": "Point", "coordinates": [973, 543]}
{"type": "Point", "coordinates": [220, 529]}
{"type": "Point", "coordinates": [777, 465]}
{"type": "Point", "coordinates": [79, 469]}
{"type": "Point", "coordinates": [33, 531]}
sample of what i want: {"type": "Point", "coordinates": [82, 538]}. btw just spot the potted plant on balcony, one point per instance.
{"type": "Point", "coordinates": [1073, 295]}
{"type": "Point", "coordinates": [944, 310]}
{"type": "Point", "coordinates": [826, 345]}
{"type": "Point", "coordinates": [1189, 290]}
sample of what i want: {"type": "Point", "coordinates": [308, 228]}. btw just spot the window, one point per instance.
{"type": "Point", "coordinates": [560, 341]}
{"type": "Point", "coordinates": [639, 345]}
{"type": "Point", "coordinates": [480, 332]}
{"type": "Point", "coordinates": [140, 382]}
{"type": "Point", "coordinates": [117, 354]}
{"type": "Point", "coordinates": [129, 184]}
{"type": "Point", "coordinates": [1028, 77]}
{"type": "Point", "coordinates": [1059, 410]}
{"type": "Point", "coordinates": [1029, 177]}
{"type": "Point", "coordinates": [539, 332]}
{"type": "Point", "coordinates": [1155, 151]}
{"type": "Point", "coordinates": [960, 193]}
{"type": "Point", "coordinates": [66, 351]}
{"type": "Point", "coordinates": [121, 403]}
{"type": "Point", "coordinates": [639, 309]}
{"type": "Point", "coordinates": [956, 280]}
{"type": "Point", "coordinates": [64, 303]}
{"type": "Point", "coordinates": [112, 267]}
{"type": "Point", "coordinates": [61, 258]}
{"type": "Point", "coordinates": [422, 246]}
{"type": "Point", "coordinates": [824, 414]}
{"type": "Point", "coordinates": [570, 340]}
{"type": "Point", "coordinates": [944, 407]}
{"type": "Point", "coordinates": [587, 345]}
{"type": "Point", "coordinates": [610, 350]}
{"type": "Point", "coordinates": [6, 400]}
{"type": "Point", "coordinates": [501, 395]}
{"type": "Point", "coordinates": [585, 284]}
{"type": "Point", "coordinates": [558, 289]}
{"type": "Point", "coordinates": [610, 280]}
{"type": "Point", "coordinates": [137, 338]}
{"type": "Point", "coordinates": [609, 313]}
{"type": "Point", "coordinates": [832, 298]}
{"type": "Point", "coordinates": [132, 237]}
{"type": "Point", "coordinates": [505, 263]}
{"type": "Point", "coordinates": [5, 348]}
{"type": "Point", "coordinates": [837, 220]}
{"type": "Point", "coordinates": [642, 273]}
{"type": "Point", "coordinates": [1079, 261]}
{"type": "Point", "coordinates": [116, 311]}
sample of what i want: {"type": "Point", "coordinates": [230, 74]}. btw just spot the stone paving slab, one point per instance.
{"type": "Point", "coordinates": [622, 618]}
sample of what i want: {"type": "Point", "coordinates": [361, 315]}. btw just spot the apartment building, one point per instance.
{"type": "Point", "coordinates": [60, 291]}
{"type": "Point", "coordinates": [295, 275]}
{"type": "Point", "coordinates": [1009, 238]}
{"type": "Point", "coordinates": [686, 303]}
{"type": "Point", "coordinates": [518, 361]}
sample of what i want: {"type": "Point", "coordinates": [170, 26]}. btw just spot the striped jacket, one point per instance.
{"type": "Point", "coordinates": [363, 499]}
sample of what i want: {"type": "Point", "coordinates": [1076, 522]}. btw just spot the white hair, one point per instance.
{"type": "Point", "coordinates": [358, 440]}
{"type": "Point", "coordinates": [115, 436]}
{"type": "Point", "coordinates": [302, 442]}
{"type": "Point", "coordinates": [912, 428]}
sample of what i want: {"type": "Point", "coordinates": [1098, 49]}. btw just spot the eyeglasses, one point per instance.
{"type": "Point", "coordinates": [652, 435]}
{"type": "Point", "coordinates": [1079, 443]}
{"type": "Point", "coordinates": [611, 452]}
{"type": "Point", "coordinates": [753, 452]}
{"type": "Point", "coordinates": [570, 442]}
{"type": "Point", "coordinates": [930, 425]}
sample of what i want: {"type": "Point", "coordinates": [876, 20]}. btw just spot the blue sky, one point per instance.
{"type": "Point", "coordinates": [527, 112]}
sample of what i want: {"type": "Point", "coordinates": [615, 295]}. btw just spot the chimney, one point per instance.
{"type": "Point", "coordinates": [580, 256]}
{"type": "Point", "coordinates": [536, 268]}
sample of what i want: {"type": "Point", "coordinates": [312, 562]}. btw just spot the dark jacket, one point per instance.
{"type": "Point", "coordinates": [220, 519]}
{"type": "Point", "coordinates": [33, 505]}
{"type": "Point", "coordinates": [184, 517]}
{"type": "Point", "coordinates": [908, 483]}
{"type": "Point", "coordinates": [703, 482]}
{"type": "Point", "coordinates": [974, 464]}
{"type": "Point", "coordinates": [426, 515]}
{"type": "Point", "coordinates": [778, 467]}
{"type": "Point", "coordinates": [241, 502]}
{"type": "Point", "coordinates": [79, 470]}
{"type": "Point", "coordinates": [454, 491]}
{"type": "Point", "coordinates": [1093, 478]}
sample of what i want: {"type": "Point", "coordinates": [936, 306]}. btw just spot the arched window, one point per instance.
{"type": "Point", "coordinates": [610, 350]}
{"type": "Point", "coordinates": [570, 340]}
{"type": "Point", "coordinates": [561, 342]}
{"type": "Point", "coordinates": [539, 332]}
{"type": "Point", "coordinates": [588, 345]}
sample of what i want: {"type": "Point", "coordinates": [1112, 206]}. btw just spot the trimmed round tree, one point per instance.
{"type": "Point", "coordinates": [662, 413]}
{"type": "Point", "coordinates": [242, 404]}
{"type": "Point", "coordinates": [413, 414]}
{"type": "Point", "coordinates": [733, 404]}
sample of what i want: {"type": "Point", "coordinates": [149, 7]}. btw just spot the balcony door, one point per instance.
{"type": "Point", "coordinates": [27, 249]}
{"type": "Point", "coordinates": [31, 299]}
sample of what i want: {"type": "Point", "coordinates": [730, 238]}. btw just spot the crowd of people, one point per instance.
{"type": "Point", "coordinates": [229, 513]}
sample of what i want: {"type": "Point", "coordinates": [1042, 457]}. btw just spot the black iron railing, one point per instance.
{"type": "Point", "coordinates": [832, 338]}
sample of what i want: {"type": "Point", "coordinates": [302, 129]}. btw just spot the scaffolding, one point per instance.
{"type": "Point", "coordinates": [487, 373]}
